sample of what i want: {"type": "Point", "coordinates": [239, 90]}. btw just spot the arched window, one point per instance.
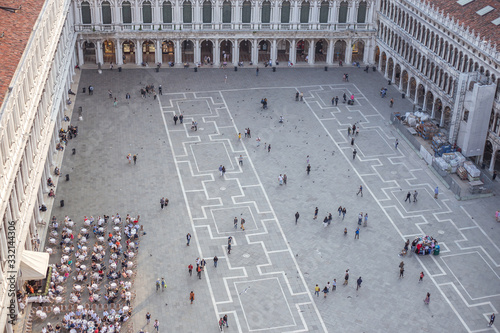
{"type": "Point", "coordinates": [187, 14]}
{"type": "Point", "coordinates": [147, 16]}
{"type": "Point", "coordinates": [167, 12]}
{"type": "Point", "coordinates": [226, 12]}
{"type": "Point", "coordinates": [304, 12]}
{"type": "Point", "coordinates": [323, 12]}
{"type": "Point", "coordinates": [86, 17]}
{"type": "Point", "coordinates": [343, 12]}
{"type": "Point", "coordinates": [207, 11]}
{"type": "Point", "coordinates": [266, 12]}
{"type": "Point", "coordinates": [285, 12]}
{"type": "Point", "coordinates": [126, 12]}
{"type": "Point", "coordinates": [106, 12]}
{"type": "Point", "coordinates": [362, 12]}
{"type": "Point", "coordinates": [246, 12]}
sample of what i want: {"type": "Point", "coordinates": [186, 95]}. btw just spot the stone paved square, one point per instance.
{"type": "Point", "coordinates": [281, 260]}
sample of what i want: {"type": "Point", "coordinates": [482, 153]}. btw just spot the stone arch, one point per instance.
{"type": "Point", "coordinates": [438, 108]}
{"type": "Point", "coordinates": [447, 117]}
{"type": "Point", "coordinates": [488, 153]}
{"type": "Point", "coordinates": [207, 52]}
{"type": "Point", "coordinates": [339, 50]}
{"type": "Point", "coordinates": [168, 51]}
{"type": "Point", "coordinates": [397, 75]}
{"type": "Point", "coordinates": [383, 62]}
{"type": "Point", "coordinates": [226, 49]}
{"type": "Point", "coordinates": [377, 54]}
{"type": "Point", "coordinates": [148, 51]}
{"type": "Point", "coordinates": [358, 50]}
{"type": "Point", "coordinates": [89, 52]}
{"type": "Point", "coordinates": [264, 48]}
{"type": "Point", "coordinates": [429, 100]}
{"type": "Point", "coordinates": [187, 51]}
{"type": "Point", "coordinates": [413, 88]}
{"type": "Point", "coordinates": [283, 48]}
{"type": "Point", "coordinates": [108, 47]}
{"type": "Point", "coordinates": [302, 47]}
{"type": "Point", "coordinates": [420, 95]}
{"type": "Point", "coordinates": [245, 47]}
{"type": "Point", "coordinates": [128, 51]}
{"type": "Point", "coordinates": [390, 67]}
{"type": "Point", "coordinates": [320, 50]}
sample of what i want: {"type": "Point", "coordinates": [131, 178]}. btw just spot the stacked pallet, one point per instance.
{"type": "Point", "coordinates": [427, 130]}
{"type": "Point", "coordinates": [462, 172]}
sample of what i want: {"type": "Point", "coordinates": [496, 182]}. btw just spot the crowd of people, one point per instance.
{"type": "Point", "coordinates": [96, 265]}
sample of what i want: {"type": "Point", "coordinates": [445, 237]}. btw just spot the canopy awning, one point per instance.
{"type": "Point", "coordinates": [34, 265]}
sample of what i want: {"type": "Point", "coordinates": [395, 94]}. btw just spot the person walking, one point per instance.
{"type": "Point", "coordinates": [148, 318]}
{"type": "Point", "coordinates": [297, 215]}
{"type": "Point", "coordinates": [408, 197]}
{"type": "Point", "coordinates": [191, 296]}
{"type": "Point", "coordinates": [436, 192]}
{"type": "Point", "coordinates": [198, 272]}
{"type": "Point", "coordinates": [242, 226]}
{"type": "Point", "coordinates": [316, 290]}
{"type": "Point", "coordinates": [158, 284]}
{"type": "Point", "coordinates": [427, 298]}
{"type": "Point", "coordinates": [401, 272]}
{"type": "Point", "coordinates": [325, 291]}
{"type": "Point", "coordinates": [334, 285]}
{"type": "Point", "coordinates": [257, 71]}
{"type": "Point", "coordinates": [162, 202]}
{"type": "Point", "coordinates": [115, 103]}
{"type": "Point", "coordinates": [215, 261]}
{"type": "Point", "coordinates": [340, 210]}
{"type": "Point", "coordinates": [181, 118]}
{"type": "Point", "coordinates": [229, 248]}
{"type": "Point", "coordinates": [492, 319]}
{"type": "Point", "coordinates": [175, 119]}
{"type": "Point", "coordinates": [336, 100]}
{"type": "Point", "coordinates": [269, 148]}
{"type": "Point", "coordinates": [258, 141]}
{"type": "Point", "coordinates": [356, 233]}
{"type": "Point", "coordinates": [135, 159]}
{"type": "Point", "coordinates": [360, 191]}
{"type": "Point", "coordinates": [396, 144]}
{"type": "Point", "coordinates": [315, 213]}
{"type": "Point", "coordinates": [225, 78]}
{"type": "Point", "coordinates": [235, 222]}
{"type": "Point", "coordinates": [129, 158]}
{"type": "Point", "coordinates": [421, 278]}
{"type": "Point", "coordinates": [352, 141]}
{"type": "Point", "coordinates": [415, 194]}
{"type": "Point", "coordinates": [221, 324]}
{"type": "Point", "coordinates": [354, 152]}
{"type": "Point", "coordinates": [346, 278]}
{"type": "Point", "coordinates": [188, 238]}
{"type": "Point", "coordinates": [163, 285]}
{"type": "Point", "coordinates": [240, 160]}
{"type": "Point", "coordinates": [225, 320]}
{"type": "Point", "coordinates": [284, 178]}
{"type": "Point", "coordinates": [190, 269]}
{"type": "Point", "coordinates": [366, 220]}
{"type": "Point", "coordinates": [308, 169]}
{"type": "Point", "coordinates": [359, 281]}
{"type": "Point", "coordinates": [344, 211]}
{"type": "Point", "coordinates": [156, 325]}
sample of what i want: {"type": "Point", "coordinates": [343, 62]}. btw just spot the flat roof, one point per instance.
{"type": "Point", "coordinates": [15, 31]}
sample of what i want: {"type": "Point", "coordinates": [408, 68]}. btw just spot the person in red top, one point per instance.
{"type": "Point", "coordinates": [190, 268]}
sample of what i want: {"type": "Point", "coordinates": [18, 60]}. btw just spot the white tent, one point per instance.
{"type": "Point", "coordinates": [34, 265]}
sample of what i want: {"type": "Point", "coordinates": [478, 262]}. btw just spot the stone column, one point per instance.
{"type": "Point", "coordinates": [311, 52]}
{"type": "Point", "coordinates": [158, 52]}
{"type": "Point", "coordinates": [401, 79]}
{"type": "Point", "coordinates": [293, 51]}
{"type": "Point", "coordinates": [416, 92]}
{"type": "Point", "coordinates": [276, 19]}
{"type": "Point", "coordinates": [348, 52]}
{"type": "Point", "coordinates": [255, 20]}
{"type": "Point", "coordinates": [118, 52]}
{"type": "Point", "coordinates": [493, 157]}
{"type": "Point", "coordinates": [197, 51]}
{"type": "Point", "coordinates": [295, 14]}
{"type": "Point", "coordinates": [236, 17]}
{"type": "Point", "coordinates": [274, 51]}
{"type": "Point", "coordinates": [433, 112]}
{"type": "Point", "coordinates": [441, 121]}
{"type": "Point", "coordinates": [195, 5]}
{"type": "Point", "coordinates": [424, 107]}
{"type": "Point", "coordinates": [314, 16]}
{"type": "Point", "coordinates": [329, 52]}
{"type": "Point", "coordinates": [408, 87]}
{"type": "Point", "coordinates": [178, 52]}
{"type": "Point", "coordinates": [79, 47]}
{"type": "Point", "coordinates": [255, 52]}
{"type": "Point", "coordinates": [216, 48]}
{"type": "Point", "coordinates": [235, 55]}
{"type": "Point", "coordinates": [138, 52]}
{"type": "Point", "coordinates": [98, 52]}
